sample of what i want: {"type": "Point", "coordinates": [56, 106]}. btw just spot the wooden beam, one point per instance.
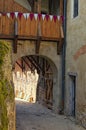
{"type": "Point", "coordinates": [26, 62]}
{"type": "Point", "coordinates": [60, 42]}
{"type": "Point", "coordinates": [18, 64]}
{"type": "Point", "coordinates": [39, 6]}
{"type": "Point", "coordinates": [61, 7]}
{"type": "Point", "coordinates": [37, 64]}
{"type": "Point", "coordinates": [31, 38]}
{"type": "Point", "coordinates": [50, 39]}
{"type": "Point", "coordinates": [6, 37]}
{"type": "Point", "coordinates": [37, 46]}
{"type": "Point", "coordinates": [59, 46]}
{"type": "Point", "coordinates": [31, 61]}
{"type": "Point", "coordinates": [23, 65]}
{"type": "Point", "coordinates": [15, 44]}
{"type": "Point", "coordinates": [47, 67]}
{"type": "Point", "coordinates": [35, 6]}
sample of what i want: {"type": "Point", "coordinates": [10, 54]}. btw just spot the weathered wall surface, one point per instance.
{"type": "Point", "coordinates": [7, 108]}
{"type": "Point", "coordinates": [49, 51]}
{"type": "Point", "coordinates": [23, 3]}
{"type": "Point", "coordinates": [76, 57]}
{"type": "Point", "coordinates": [12, 6]}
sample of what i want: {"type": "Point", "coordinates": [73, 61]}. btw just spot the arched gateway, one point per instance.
{"type": "Point", "coordinates": [48, 53]}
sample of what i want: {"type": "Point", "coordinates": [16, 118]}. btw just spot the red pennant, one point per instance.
{"type": "Point", "coordinates": [47, 17]}
{"type": "Point", "coordinates": [62, 18]}
{"type": "Point", "coordinates": [12, 15]}
{"type": "Point", "coordinates": [39, 16]}
{"type": "Point", "coordinates": [4, 14]}
{"type": "Point", "coordinates": [20, 15]}
{"type": "Point", "coordinates": [55, 18]}
{"type": "Point", "coordinates": [31, 16]}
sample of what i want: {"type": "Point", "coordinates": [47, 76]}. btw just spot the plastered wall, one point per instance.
{"type": "Point", "coordinates": [76, 58]}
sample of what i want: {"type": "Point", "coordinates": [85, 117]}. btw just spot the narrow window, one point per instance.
{"type": "Point", "coordinates": [75, 10]}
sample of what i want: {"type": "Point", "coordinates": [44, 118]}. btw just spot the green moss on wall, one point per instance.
{"type": "Point", "coordinates": [6, 92]}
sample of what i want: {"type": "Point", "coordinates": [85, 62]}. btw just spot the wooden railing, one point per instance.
{"type": "Point", "coordinates": [24, 26]}
{"type": "Point", "coordinates": [31, 25]}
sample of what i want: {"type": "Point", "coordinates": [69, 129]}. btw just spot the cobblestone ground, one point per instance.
{"type": "Point", "coordinates": [37, 117]}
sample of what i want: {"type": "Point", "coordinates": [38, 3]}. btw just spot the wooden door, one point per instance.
{"type": "Point", "coordinates": [72, 94]}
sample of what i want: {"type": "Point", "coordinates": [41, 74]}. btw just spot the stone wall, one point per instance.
{"type": "Point", "coordinates": [7, 107]}
{"type": "Point", "coordinates": [76, 58]}
{"type": "Point", "coordinates": [27, 48]}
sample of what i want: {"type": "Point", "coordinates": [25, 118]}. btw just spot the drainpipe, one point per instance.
{"type": "Point", "coordinates": [64, 55]}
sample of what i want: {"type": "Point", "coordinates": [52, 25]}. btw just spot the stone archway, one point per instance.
{"type": "Point", "coordinates": [48, 51]}
{"type": "Point", "coordinates": [34, 79]}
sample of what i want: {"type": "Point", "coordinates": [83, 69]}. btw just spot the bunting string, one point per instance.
{"type": "Point", "coordinates": [32, 15]}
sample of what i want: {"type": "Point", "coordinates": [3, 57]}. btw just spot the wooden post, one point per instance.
{"type": "Point", "coordinates": [15, 37]}
{"type": "Point", "coordinates": [35, 6]}
{"type": "Point", "coordinates": [59, 44]}
{"type": "Point", "coordinates": [16, 27]}
{"type": "Point", "coordinates": [37, 46]}
{"type": "Point", "coordinates": [61, 7]}
{"type": "Point", "coordinates": [15, 44]}
{"type": "Point", "coordinates": [39, 6]}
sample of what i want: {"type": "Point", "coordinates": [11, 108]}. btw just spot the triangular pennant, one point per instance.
{"type": "Point", "coordinates": [55, 18]}
{"type": "Point", "coordinates": [39, 16]}
{"type": "Point", "coordinates": [43, 16]}
{"type": "Point", "coordinates": [36, 16]}
{"type": "Point", "coordinates": [25, 15]}
{"type": "Point", "coordinates": [51, 17]}
{"type": "Point", "coordinates": [8, 15]}
{"type": "Point", "coordinates": [4, 14]}
{"type": "Point", "coordinates": [58, 17]}
{"type": "Point", "coordinates": [12, 15]}
{"type": "Point", "coordinates": [20, 15]}
{"type": "Point", "coordinates": [47, 17]}
{"type": "Point", "coordinates": [31, 16]}
{"type": "Point", "coordinates": [62, 18]}
{"type": "Point", "coordinates": [16, 14]}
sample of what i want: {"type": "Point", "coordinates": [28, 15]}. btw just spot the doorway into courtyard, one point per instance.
{"type": "Point", "coordinates": [33, 80]}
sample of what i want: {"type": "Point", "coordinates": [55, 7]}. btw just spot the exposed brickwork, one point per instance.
{"type": "Point", "coordinates": [19, 8]}
{"type": "Point", "coordinates": [80, 52]}
{"type": "Point", "coordinates": [11, 6]}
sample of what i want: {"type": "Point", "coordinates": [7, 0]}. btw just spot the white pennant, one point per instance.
{"type": "Point", "coordinates": [36, 16]}
{"type": "Point", "coordinates": [43, 16]}
{"type": "Point", "coordinates": [8, 15]}
{"type": "Point", "coordinates": [25, 15]}
{"type": "Point", "coordinates": [51, 17]}
{"type": "Point", "coordinates": [58, 17]}
{"type": "Point", "coordinates": [16, 14]}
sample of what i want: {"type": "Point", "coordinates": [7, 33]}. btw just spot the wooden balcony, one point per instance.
{"type": "Point", "coordinates": [28, 26]}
